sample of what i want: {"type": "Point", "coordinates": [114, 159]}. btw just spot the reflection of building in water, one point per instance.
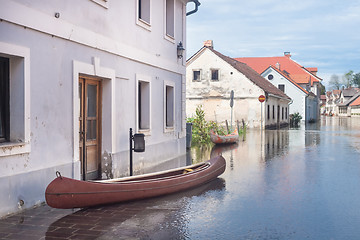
{"type": "Point", "coordinates": [341, 123]}
{"type": "Point", "coordinates": [276, 143]}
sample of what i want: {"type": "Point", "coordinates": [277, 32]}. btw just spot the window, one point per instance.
{"type": "Point", "coordinates": [4, 100]}
{"type": "Point", "coordinates": [14, 99]}
{"type": "Point", "coordinates": [273, 111]}
{"type": "Point", "coordinates": [282, 87]}
{"type": "Point", "coordinates": [286, 113]}
{"type": "Point", "coordinates": [144, 10]}
{"type": "Point", "coordinates": [270, 77]}
{"type": "Point", "coordinates": [282, 113]}
{"type": "Point", "coordinates": [170, 16]}
{"type": "Point", "coordinates": [268, 112]}
{"type": "Point", "coordinates": [169, 100]}
{"type": "Point", "coordinates": [196, 75]}
{"type": "Point", "coordinates": [143, 104]}
{"type": "Point", "coordinates": [214, 74]}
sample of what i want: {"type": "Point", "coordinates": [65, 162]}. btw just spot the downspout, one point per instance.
{"type": "Point", "coordinates": [197, 4]}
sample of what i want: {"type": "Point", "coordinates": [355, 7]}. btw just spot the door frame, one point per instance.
{"type": "Point", "coordinates": [94, 69]}
{"type": "Point", "coordinates": [98, 81]}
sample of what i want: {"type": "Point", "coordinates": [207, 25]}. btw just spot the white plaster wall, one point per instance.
{"type": "Point", "coordinates": [102, 40]}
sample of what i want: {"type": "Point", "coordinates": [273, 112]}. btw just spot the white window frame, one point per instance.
{"type": "Point", "coordinates": [141, 22]}
{"type": "Point", "coordinates": [169, 128]}
{"type": "Point", "coordinates": [142, 78]}
{"type": "Point", "coordinates": [103, 3]}
{"type": "Point", "coordinates": [20, 142]}
{"type": "Point", "coordinates": [166, 35]}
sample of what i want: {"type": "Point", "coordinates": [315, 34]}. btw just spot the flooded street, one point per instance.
{"type": "Point", "coordinates": [284, 184]}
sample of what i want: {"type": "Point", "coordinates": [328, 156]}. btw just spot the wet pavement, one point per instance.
{"type": "Point", "coordinates": [286, 184]}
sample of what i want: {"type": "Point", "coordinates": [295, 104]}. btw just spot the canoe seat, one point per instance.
{"type": "Point", "coordinates": [186, 170]}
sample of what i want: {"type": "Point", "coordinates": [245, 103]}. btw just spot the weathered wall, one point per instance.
{"type": "Point", "coordinates": [92, 40]}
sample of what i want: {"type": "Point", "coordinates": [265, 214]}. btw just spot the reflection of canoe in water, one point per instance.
{"type": "Point", "coordinates": [222, 139]}
{"type": "Point", "coordinates": [70, 193]}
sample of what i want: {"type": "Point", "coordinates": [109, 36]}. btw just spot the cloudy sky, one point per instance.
{"type": "Point", "coordinates": [318, 33]}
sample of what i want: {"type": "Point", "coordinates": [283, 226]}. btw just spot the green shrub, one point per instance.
{"type": "Point", "coordinates": [295, 119]}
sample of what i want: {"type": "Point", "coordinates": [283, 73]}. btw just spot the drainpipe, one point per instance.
{"type": "Point", "coordinates": [197, 4]}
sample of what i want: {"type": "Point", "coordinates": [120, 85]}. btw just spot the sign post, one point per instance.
{"type": "Point", "coordinates": [231, 105]}
{"type": "Point", "coordinates": [261, 100]}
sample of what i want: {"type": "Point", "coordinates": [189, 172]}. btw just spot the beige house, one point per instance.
{"type": "Point", "coordinates": [210, 78]}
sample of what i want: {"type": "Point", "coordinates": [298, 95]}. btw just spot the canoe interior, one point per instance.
{"type": "Point", "coordinates": [159, 175]}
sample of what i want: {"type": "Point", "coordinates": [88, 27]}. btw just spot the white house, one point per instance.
{"type": "Point", "coordinates": [210, 78]}
{"type": "Point", "coordinates": [75, 77]}
{"type": "Point", "coordinates": [306, 78]}
{"type": "Point", "coordinates": [303, 102]}
{"type": "Point", "coordinates": [332, 99]}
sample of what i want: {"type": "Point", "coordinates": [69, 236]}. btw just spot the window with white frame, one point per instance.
{"type": "Point", "coordinates": [144, 13]}
{"type": "Point", "coordinates": [143, 104]}
{"type": "Point", "coordinates": [169, 106]}
{"type": "Point", "coordinates": [170, 18]}
{"type": "Point", "coordinates": [14, 99]}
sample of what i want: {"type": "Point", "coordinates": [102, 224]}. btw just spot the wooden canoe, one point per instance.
{"type": "Point", "coordinates": [224, 139]}
{"type": "Point", "coordinates": [65, 192]}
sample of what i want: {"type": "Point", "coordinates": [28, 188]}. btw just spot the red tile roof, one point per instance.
{"type": "Point", "coordinates": [255, 77]}
{"type": "Point", "coordinates": [356, 102]}
{"type": "Point", "coordinates": [297, 72]}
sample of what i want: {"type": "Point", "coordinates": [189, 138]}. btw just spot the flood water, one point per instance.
{"type": "Point", "coordinates": [284, 184]}
{"type": "Point", "coordinates": [280, 184]}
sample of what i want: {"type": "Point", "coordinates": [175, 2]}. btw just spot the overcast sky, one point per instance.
{"type": "Point", "coordinates": [318, 33]}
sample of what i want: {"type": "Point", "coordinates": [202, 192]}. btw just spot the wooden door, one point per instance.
{"type": "Point", "coordinates": [89, 126]}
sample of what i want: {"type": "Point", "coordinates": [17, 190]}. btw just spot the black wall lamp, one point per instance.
{"type": "Point", "coordinates": [139, 146]}
{"type": "Point", "coordinates": [180, 50]}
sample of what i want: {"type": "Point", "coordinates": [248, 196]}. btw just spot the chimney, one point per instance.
{"type": "Point", "coordinates": [287, 54]}
{"type": "Point", "coordinates": [277, 65]}
{"type": "Point", "coordinates": [313, 70]}
{"type": "Point", "coordinates": [209, 44]}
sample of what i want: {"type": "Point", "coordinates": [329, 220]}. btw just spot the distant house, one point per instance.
{"type": "Point", "coordinates": [303, 102]}
{"type": "Point", "coordinates": [338, 101]}
{"type": "Point", "coordinates": [75, 76]}
{"type": "Point", "coordinates": [347, 97]}
{"type": "Point", "coordinates": [355, 106]}
{"type": "Point", "coordinates": [211, 76]}
{"type": "Point", "coordinates": [332, 99]}
{"type": "Point", "coordinates": [306, 78]}
{"type": "Point", "coordinates": [322, 104]}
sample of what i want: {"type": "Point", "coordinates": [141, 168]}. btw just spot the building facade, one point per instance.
{"type": "Point", "coordinates": [210, 78]}
{"type": "Point", "coordinates": [75, 77]}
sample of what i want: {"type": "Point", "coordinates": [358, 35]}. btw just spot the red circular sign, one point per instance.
{"type": "Point", "coordinates": [261, 98]}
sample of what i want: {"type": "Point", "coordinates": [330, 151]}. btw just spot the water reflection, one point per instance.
{"type": "Point", "coordinates": [290, 184]}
